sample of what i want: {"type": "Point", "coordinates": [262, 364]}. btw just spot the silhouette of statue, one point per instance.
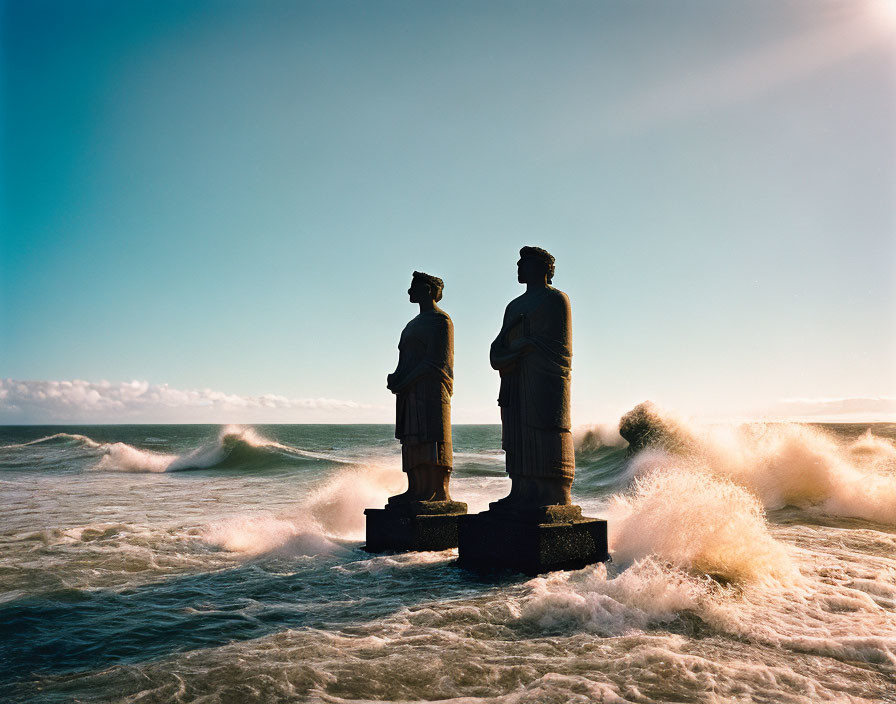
{"type": "Point", "coordinates": [423, 383]}
{"type": "Point", "coordinates": [533, 354]}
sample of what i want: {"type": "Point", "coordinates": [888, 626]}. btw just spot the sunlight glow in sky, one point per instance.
{"type": "Point", "coordinates": [225, 200]}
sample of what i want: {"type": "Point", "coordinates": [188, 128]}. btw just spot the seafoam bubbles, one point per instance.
{"type": "Point", "coordinates": [96, 555]}
{"type": "Point", "coordinates": [842, 608]}
{"type": "Point", "coordinates": [839, 609]}
{"type": "Point", "coordinates": [645, 594]}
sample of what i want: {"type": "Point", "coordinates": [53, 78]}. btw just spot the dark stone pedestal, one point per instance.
{"type": "Point", "coordinates": [532, 541]}
{"type": "Point", "coordinates": [417, 525]}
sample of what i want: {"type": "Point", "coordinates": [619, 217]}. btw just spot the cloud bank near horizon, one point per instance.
{"type": "Point", "coordinates": [858, 408]}
{"type": "Point", "coordinates": [79, 401]}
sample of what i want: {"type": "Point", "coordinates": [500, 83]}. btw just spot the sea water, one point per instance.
{"type": "Point", "coordinates": [224, 564]}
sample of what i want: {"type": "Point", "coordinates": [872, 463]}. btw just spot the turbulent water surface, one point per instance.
{"type": "Point", "coordinates": [200, 563]}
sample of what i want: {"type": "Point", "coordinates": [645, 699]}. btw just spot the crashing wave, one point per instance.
{"type": "Point", "coordinates": [782, 464]}
{"type": "Point", "coordinates": [329, 515]}
{"type": "Point", "coordinates": [235, 448]}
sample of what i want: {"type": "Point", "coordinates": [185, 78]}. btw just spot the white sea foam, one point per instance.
{"type": "Point", "coordinates": [832, 615]}
{"type": "Point", "coordinates": [121, 457]}
{"type": "Point", "coordinates": [645, 593]}
{"type": "Point", "coordinates": [817, 616]}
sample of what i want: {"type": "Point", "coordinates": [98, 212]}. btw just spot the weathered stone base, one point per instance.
{"type": "Point", "coordinates": [417, 525]}
{"type": "Point", "coordinates": [533, 541]}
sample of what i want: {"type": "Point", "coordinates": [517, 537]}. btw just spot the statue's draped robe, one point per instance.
{"type": "Point", "coordinates": [423, 409]}
{"type": "Point", "coordinates": [534, 396]}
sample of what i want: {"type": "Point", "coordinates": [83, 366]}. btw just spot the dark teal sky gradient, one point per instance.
{"type": "Point", "coordinates": [233, 194]}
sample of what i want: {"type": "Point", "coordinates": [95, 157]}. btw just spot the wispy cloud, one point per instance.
{"type": "Point", "coordinates": [79, 401]}
{"type": "Point", "coordinates": [743, 77]}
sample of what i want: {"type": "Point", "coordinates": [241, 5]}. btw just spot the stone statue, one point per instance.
{"type": "Point", "coordinates": [423, 383]}
{"type": "Point", "coordinates": [533, 354]}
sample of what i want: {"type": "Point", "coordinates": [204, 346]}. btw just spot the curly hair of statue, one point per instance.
{"type": "Point", "coordinates": [542, 255]}
{"type": "Point", "coordinates": [436, 285]}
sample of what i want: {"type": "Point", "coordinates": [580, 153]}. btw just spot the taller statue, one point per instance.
{"type": "Point", "coordinates": [423, 383]}
{"type": "Point", "coordinates": [533, 354]}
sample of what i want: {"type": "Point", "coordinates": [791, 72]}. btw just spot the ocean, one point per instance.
{"type": "Point", "coordinates": [182, 563]}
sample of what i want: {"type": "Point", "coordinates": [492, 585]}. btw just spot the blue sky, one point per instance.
{"type": "Point", "coordinates": [232, 196]}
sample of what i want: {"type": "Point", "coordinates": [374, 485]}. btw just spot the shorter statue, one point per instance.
{"type": "Point", "coordinates": [533, 354]}
{"type": "Point", "coordinates": [423, 383]}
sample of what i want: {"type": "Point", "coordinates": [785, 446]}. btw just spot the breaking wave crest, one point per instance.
{"type": "Point", "coordinates": [330, 515]}
{"type": "Point", "coordinates": [235, 448]}
{"type": "Point", "coordinates": [849, 620]}
{"type": "Point", "coordinates": [64, 439]}
{"type": "Point", "coordinates": [698, 522]}
{"type": "Point", "coordinates": [781, 464]}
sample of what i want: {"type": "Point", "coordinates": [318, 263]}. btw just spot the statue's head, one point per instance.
{"type": "Point", "coordinates": [535, 263]}
{"type": "Point", "coordinates": [425, 286]}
